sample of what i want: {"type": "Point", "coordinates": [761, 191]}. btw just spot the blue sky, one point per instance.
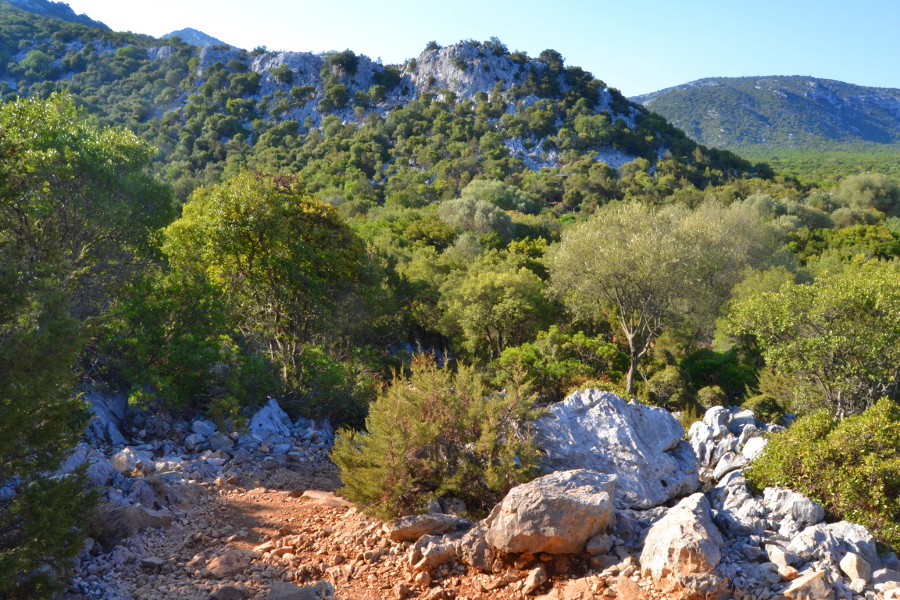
{"type": "Point", "coordinates": [637, 47]}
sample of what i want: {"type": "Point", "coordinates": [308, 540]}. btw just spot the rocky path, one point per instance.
{"type": "Point", "coordinates": [202, 515]}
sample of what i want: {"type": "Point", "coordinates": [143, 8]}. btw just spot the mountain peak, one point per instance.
{"type": "Point", "coordinates": [195, 37]}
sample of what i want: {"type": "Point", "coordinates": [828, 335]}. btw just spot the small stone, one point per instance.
{"type": "Point", "coordinates": [400, 591]}
{"type": "Point", "coordinates": [228, 564]}
{"type": "Point", "coordinates": [811, 586]}
{"type": "Point", "coordinates": [788, 573]}
{"type": "Point", "coordinates": [423, 579]}
{"type": "Point", "coordinates": [535, 579]}
{"type": "Point", "coordinates": [229, 592]}
{"type": "Point", "coordinates": [601, 543]}
{"type": "Point", "coordinates": [152, 563]}
{"type": "Point", "coordinates": [856, 567]}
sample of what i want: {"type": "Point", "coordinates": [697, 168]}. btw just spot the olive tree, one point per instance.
{"type": "Point", "coordinates": [647, 269]}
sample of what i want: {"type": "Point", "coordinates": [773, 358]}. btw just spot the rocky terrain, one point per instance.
{"type": "Point", "coordinates": [629, 509]}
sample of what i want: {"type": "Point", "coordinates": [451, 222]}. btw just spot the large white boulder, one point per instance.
{"type": "Point", "coordinates": [683, 549]}
{"type": "Point", "coordinates": [641, 445]}
{"type": "Point", "coordinates": [556, 513]}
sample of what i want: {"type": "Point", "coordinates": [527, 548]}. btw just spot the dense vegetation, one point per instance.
{"type": "Point", "coordinates": [861, 457]}
{"type": "Point", "coordinates": [76, 218]}
{"type": "Point", "coordinates": [298, 240]}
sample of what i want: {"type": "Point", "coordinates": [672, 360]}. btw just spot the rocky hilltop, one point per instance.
{"type": "Point", "coordinates": [789, 112]}
{"type": "Point", "coordinates": [195, 37]}
{"type": "Point", "coordinates": [633, 512]}
{"type": "Point", "coordinates": [476, 102]}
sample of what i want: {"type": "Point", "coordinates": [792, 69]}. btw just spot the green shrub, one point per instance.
{"type": "Point", "coordinates": [667, 388]}
{"type": "Point", "coordinates": [711, 395]}
{"type": "Point", "coordinates": [766, 408]}
{"type": "Point", "coordinates": [557, 363]}
{"type": "Point", "coordinates": [437, 434]}
{"type": "Point", "coordinates": [851, 467]}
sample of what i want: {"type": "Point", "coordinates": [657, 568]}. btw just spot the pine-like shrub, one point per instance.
{"type": "Point", "coordinates": [851, 467]}
{"type": "Point", "coordinates": [438, 434]}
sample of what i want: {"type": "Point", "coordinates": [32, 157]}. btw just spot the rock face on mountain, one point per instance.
{"type": "Point", "coordinates": [195, 37]}
{"type": "Point", "coordinates": [779, 112]}
{"type": "Point", "coordinates": [641, 445]}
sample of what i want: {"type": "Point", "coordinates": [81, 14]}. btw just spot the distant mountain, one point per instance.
{"type": "Point", "coordinates": [779, 112]}
{"type": "Point", "coordinates": [60, 10]}
{"type": "Point", "coordinates": [195, 37]}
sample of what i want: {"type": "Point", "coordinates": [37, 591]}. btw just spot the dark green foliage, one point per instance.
{"type": "Point", "coordinates": [344, 62]}
{"type": "Point", "coordinates": [836, 337]}
{"type": "Point", "coordinates": [76, 215]}
{"type": "Point", "coordinates": [166, 334]}
{"type": "Point", "coordinates": [851, 467]}
{"type": "Point", "coordinates": [766, 408]}
{"type": "Point", "coordinates": [282, 74]}
{"type": "Point", "coordinates": [711, 395]}
{"type": "Point", "coordinates": [275, 267]}
{"type": "Point", "coordinates": [438, 434]}
{"type": "Point", "coordinates": [731, 372]}
{"type": "Point", "coordinates": [557, 363]}
{"type": "Point", "coordinates": [841, 245]}
{"type": "Point", "coordinates": [668, 388]}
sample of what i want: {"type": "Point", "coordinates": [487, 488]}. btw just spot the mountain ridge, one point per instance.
{"type": "Point", "coordinates": [779, 111]}
{"type": "Point", "coordinates": [59, 10]}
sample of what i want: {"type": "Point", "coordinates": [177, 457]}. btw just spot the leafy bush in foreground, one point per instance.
{"type": "Point", "coordinates": [851, 467]}
{"type": "Point", "coordinates": [437, 434]}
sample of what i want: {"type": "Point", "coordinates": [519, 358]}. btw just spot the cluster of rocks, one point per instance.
{"type": "Point", "coordinates": [727, 440]}
{"type": "Point", "coordinates": [628, 510]}
{"type": "Point", "coordinates": [156, 482]}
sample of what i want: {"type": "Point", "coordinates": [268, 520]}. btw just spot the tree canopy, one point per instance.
{"type": "Point", "coordinates": [838, 336]}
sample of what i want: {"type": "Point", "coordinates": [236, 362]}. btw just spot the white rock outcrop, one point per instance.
{"type": "Point", "coordinates": [641, 445]}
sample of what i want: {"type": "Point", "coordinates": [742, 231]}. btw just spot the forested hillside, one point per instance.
{"type": "Point", "coordinates": [205, 228]}
{"type": "Point", "coordinates": [474, 109]}
{"type": "Point", "coordinates": [780, 112]}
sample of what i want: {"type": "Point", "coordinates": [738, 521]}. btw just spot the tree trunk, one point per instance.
{"type": "Point", "coordinates": [632, 369]}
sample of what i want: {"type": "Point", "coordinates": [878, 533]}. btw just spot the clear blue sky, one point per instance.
{"type": "Point", "coordinates": [637, 47]}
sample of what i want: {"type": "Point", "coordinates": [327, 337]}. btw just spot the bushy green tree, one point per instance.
{"type": "Point", "coordinates": [556, 363]}
{"type": "Point", "coordinates": [495, 306]}
{"type": "Point", "coordinates": [477, 216]}
{"type": "Point", "coordinates": [76, 213]}
{"type": "Point", "coordinates": [281, 260]}
{"type": "Point", "coordinates": [647, 269]}
{"type": "Point", "coordinates": [500, 195]}
{"type": "Point", "coordinates": [839, 336]}
{"type": "Point", "coordinates": [870, 191]}
{"type": "Point", "coordinates": [438, 434]}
